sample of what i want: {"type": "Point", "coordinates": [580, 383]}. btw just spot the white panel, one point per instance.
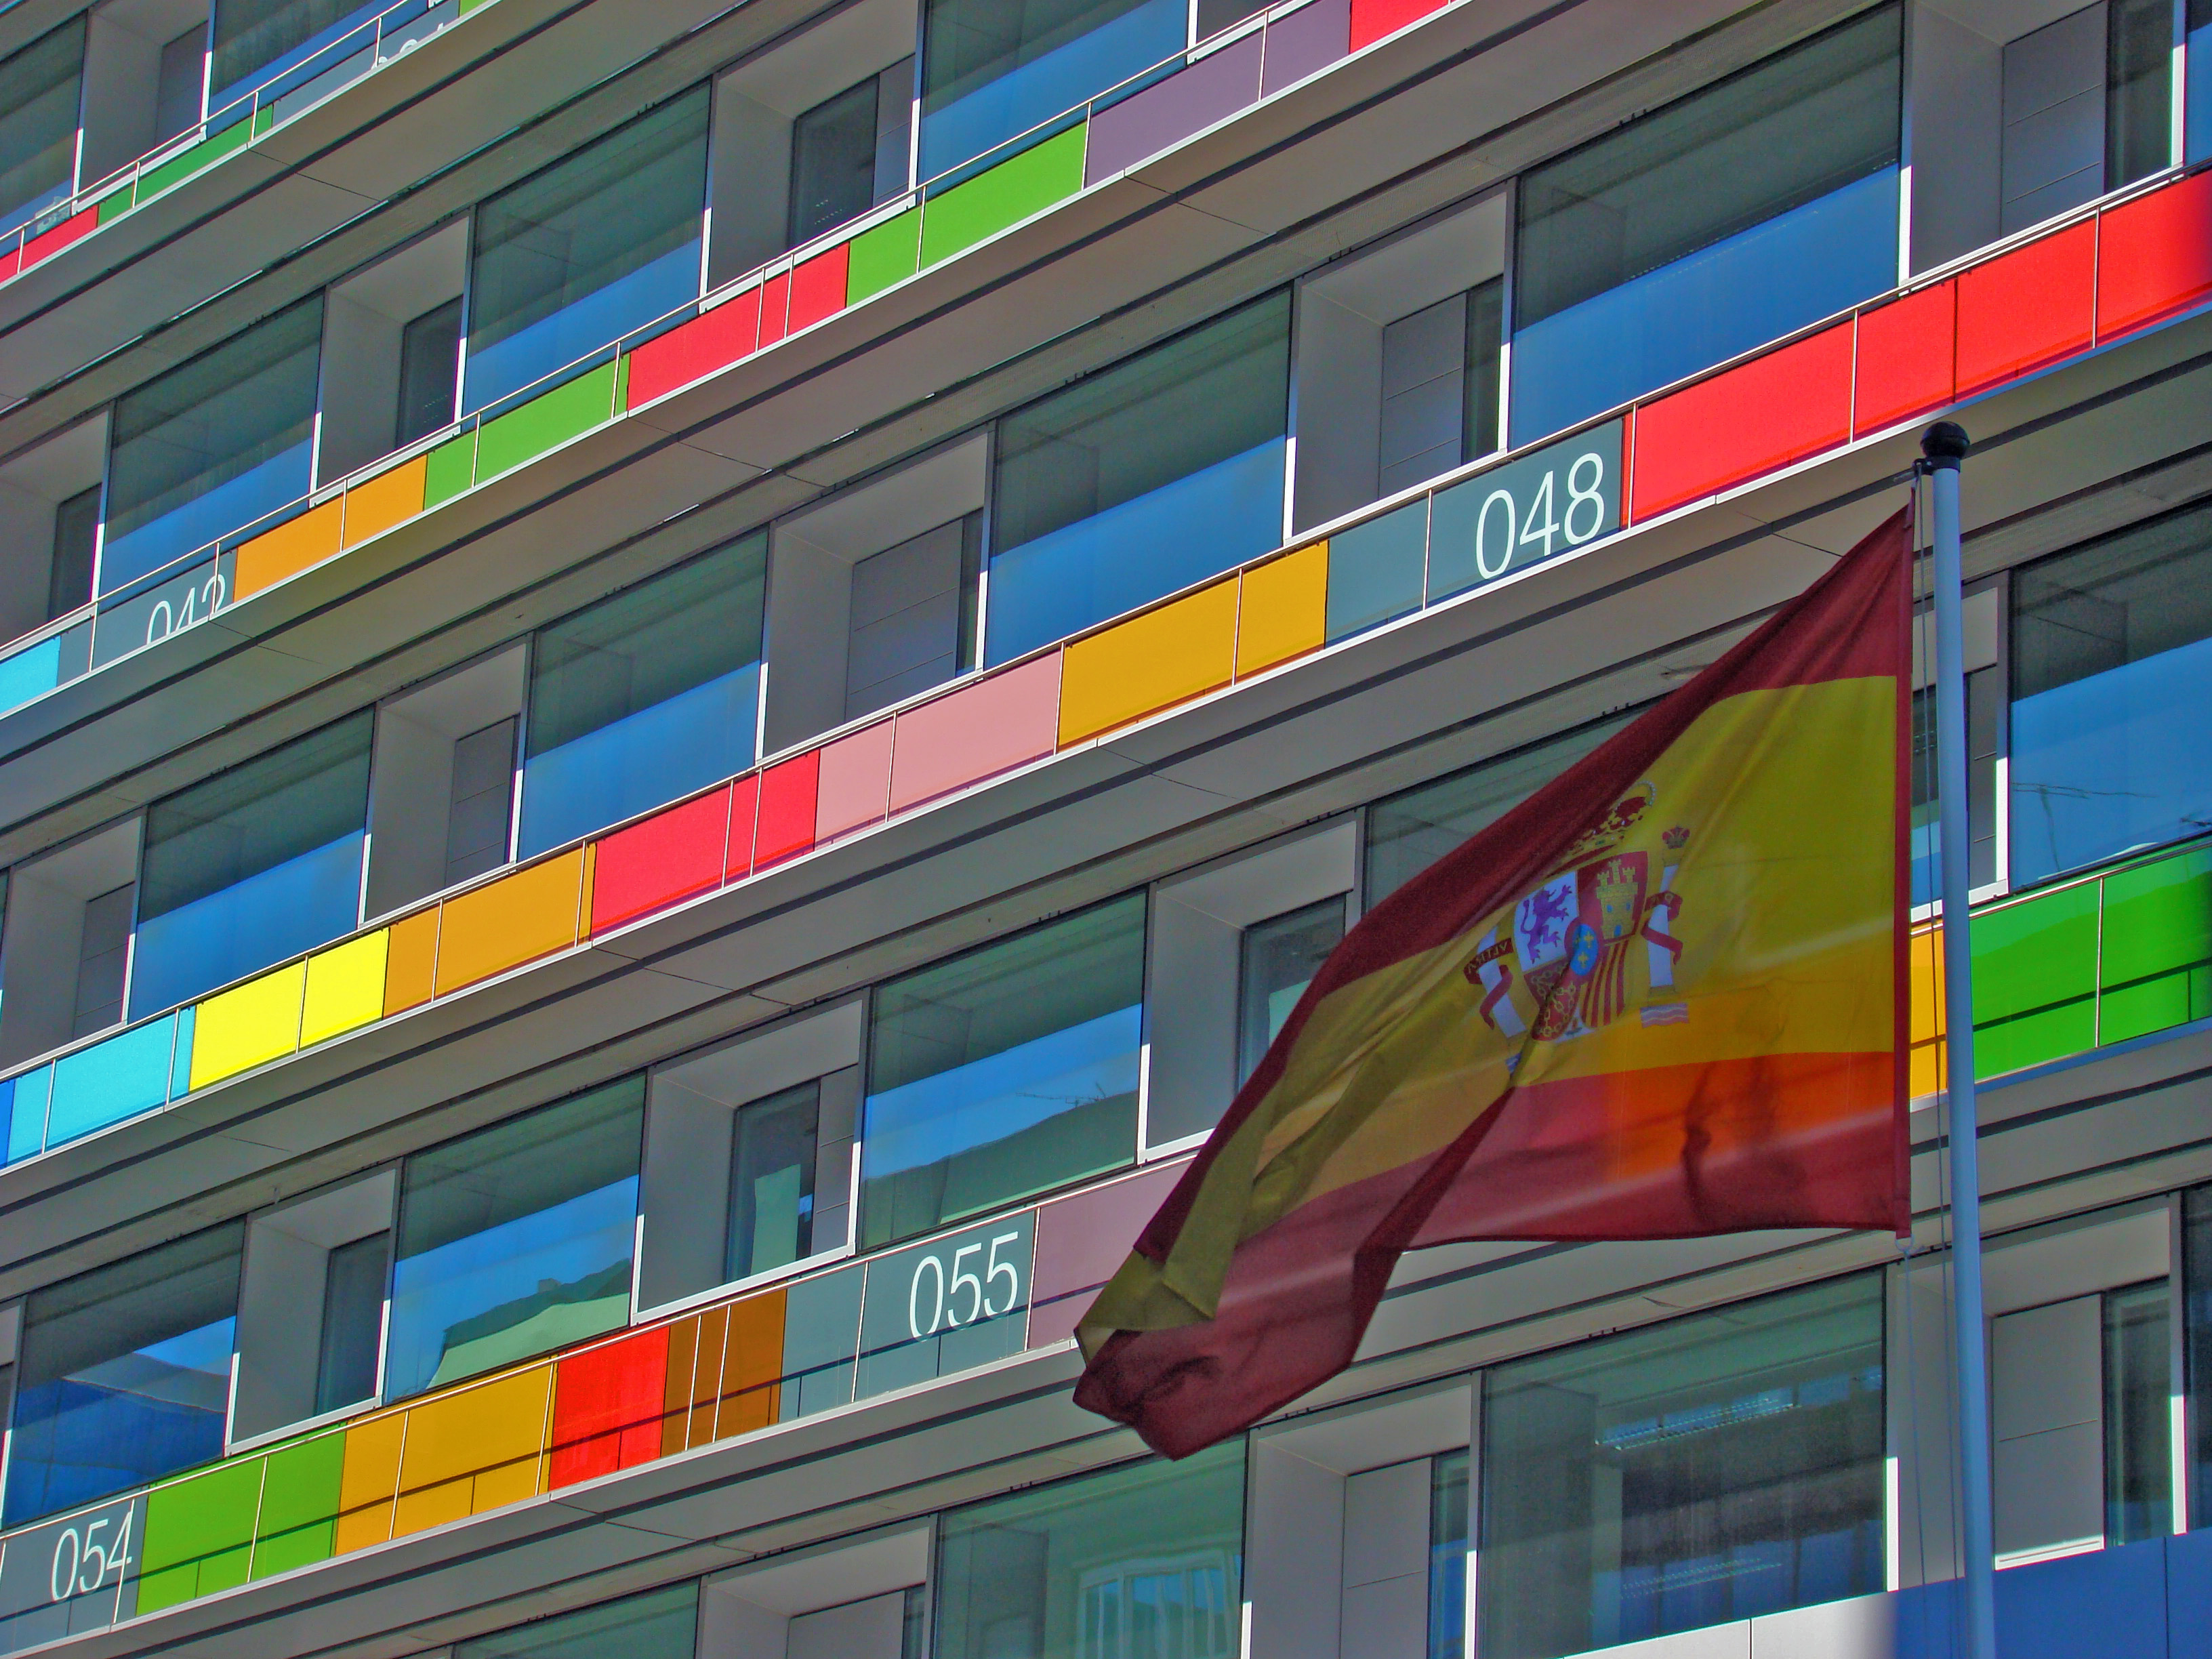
{"type": "Point", "coordinates": [2047, 1409]}
{"type": "Point", "coordinates": [1386, 1523]}
{"type": "Point", "coordinates": [1294, 1570]}
{"type": "Point", "coordinates": [833, 1577]}
{"type": "Point", "coordinates": [1864, 1628]}
{"type": "Point", "coordinates": [860, 1630]}
{"type": "Point", "coordinates": [1388, 1620]}
{"type": "Point", "coordinates": [1714, 1642]}
{"type": "Point", "coordinates": [2053, 1266]}
{"type": "Point", "coordinates": [44, 933]}
{"type": "Point", "coordinates": [1368, 1437]}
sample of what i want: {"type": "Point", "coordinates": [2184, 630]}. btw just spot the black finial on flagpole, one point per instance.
{"type": "Point", "coordinates": [1945, 445]}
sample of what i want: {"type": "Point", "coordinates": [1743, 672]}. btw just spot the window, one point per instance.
{"type": "Point", "coordinates": [101, 962]}
{"type": "Point", "coordinates": [38, 123]}
{"type": "Point", "coordinates": [602, 242]}
{"type": "Point", "coordinates": [2138, 90]}
{"type": "Point", "coordinates": [1409, 831]}
{"type": "Point", "coordinates": [180, 83]}
{"type": "Point", "coordinates": [483, 792]}
{"type": "Point", "coordinates": [124, 1374]}
{"type": "Point", "coordinates": [991, 71]}
{"type": "Point", "coordinates": [255, 864]}
{"type": "Point", "coordinates": [660, 1623]}
{"type": "Point", "coordinates": [2138, 1413]}
{"type": "Point", "coordinates": [1440, 382]}
{"type": "Point", "coordinates": [1003, 1071]}
{"type": "Point", "coordinates": [1720, 223]}
{"type": "Point", "coordinates": [211, 446]}
{"type": "Point", "coordinates": [772, 1153]}
{"type": "Point", "coordinates": [644, 696]}
{"type": "Point", "coordinates": [1279, 959]}
{"type": "Point", "coordinates": [76, 539]}
{"type": "Point", "coordinates": [428, 347]}
{"type": "Point", "coordinates": [1448, 1516]}
{"type": "Point", "coordinates": [2111, 660]}
{"type": "Point", "coordinates": [515, 1240]}
{"type": "Point", "coordinates": [2196, 1343]}
{"type": "Point", "coordinates": [352, 1321]}
{"type": "Point", "coordinates": [1139, 480]}
{"type": "Point", "coordinates": [1699, 1472]}
{"type": "Point", "coordinates": [1983, 690]}
{"type": "Point", "coordinates": [255, 38]}
{"type": "Point", "coordinates": [1133, 1562]}
{"type": "Point", "coordinates": [848, 153]}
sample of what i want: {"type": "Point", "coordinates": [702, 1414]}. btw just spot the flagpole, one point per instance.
{"type": "Point", "coordinates": [1945, 446]}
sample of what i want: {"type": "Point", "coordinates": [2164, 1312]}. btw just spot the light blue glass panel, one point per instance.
{"type": "Point", "coordinates": [1751, 288]}
{"type": "Point", "coordinates": [27, 1112]}
{"type": "Point", "coordinates": [306, 901]}
{"type": "Point", "coordinates": [29, 672]}
{"type": "Point", "coordinates": [660, 754]}
{"type": "Point", "coordinates": [1029, 92]}
{"type": "Point", "coordinates": [821, 1338]}
{"type": "Point", "coordinates": [180, 1055]}
{"type": "Point", "coordinates": [1202, 524]}
{"type": "Point", "coordinates": [1375, 569]}
{"type": "Point", "coordinates": [111, 1081]}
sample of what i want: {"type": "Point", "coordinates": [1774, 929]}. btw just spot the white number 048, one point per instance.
{"type": "Point", "coordinates": [947, 1311]}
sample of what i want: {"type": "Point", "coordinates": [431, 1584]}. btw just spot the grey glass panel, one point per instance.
{"type": "Point", "coordinates": [481, 805]}
{"type": "Point", "coordinates": [103, 951]}
{"type": "Point", "coordinates": [39, 88]}
{"type": "Point", "coordinates": [430, 351]}
{"type": "Point", "coordinates": [1409, 831]}
{"type": "Point", "coordinates": [2138, 1414]}
{"type": "Point", "coordinates": [833, 162]}
{"type": "Point", "coordinates": [76, 537]}
{"type": "Point", "coordinates": [353, 1321]}
{"type": "Point", "coordinates": [1003, 1071]}
{"type": "Point", "coordinates": [1774, 137]}
{"type": "Point", "coordinates": [1701, 1471]}
{"type": "Point", "coordinates": [1141, 1561]}
{"type": "Point", "coordinates": [1279, 959]}
{"type": "Point", "coordinates": [179, 87]}
{"type": "Point", "coordinates": [772, 1147]}
{"type": "Point", "coordinates": [1448, 1532]}
{"type": "Point", "coordinates": [1485, 341]}
{"type": "Point", "coordinates": [660, 1623]}
{"type": "Point", "coordinates": [2138, 90]}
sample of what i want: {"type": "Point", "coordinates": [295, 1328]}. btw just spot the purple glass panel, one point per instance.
{"type": "Point", "coordinates": [1138, 128]}
{"type": "Point", "coordinates": [1308, 39]}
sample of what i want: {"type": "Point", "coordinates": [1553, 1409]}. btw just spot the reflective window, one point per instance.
{"type": "Point", "coordinates": [1139, 479]}
{"type": "Point", "coordinates": [255, 864]}
{"type": "Point", "coordinates": [124, 1375]}
{"type": "Point", "coordinates": [1279, 958]}
{"type": "Point", "coordinates": [255, 40]}
{"type": "Point", "coordinates": [515, 1240]}
{"type": "Point", "coordinates": [39, 88]}
{"type": "Point", "coordinates": [1728, 219]}
{"type": "Point", "coordinates": [1143, 1562]}
{"type": "Point", "coordinates": [209, 448]}
{"type": "Point", "coordinates": [849, 152]}
{"type": "Point", "coordinates": [429, 348]}
{"type": "Point", "coordinates": [352, 1321]}
{"type": "Point", "coordinates": [2138, 90]}
{"type": "Point", "coordinates": [772, 1152]}
{"type": "Point", "coordinates": [2112, 662]}
{"type": "Point", "coordinates": [1703, 1470]}
{"type": "Point", "coordinates": [2197, 122]}
{"type": "Point", "coordinates": [645, 696]}
{"type": "Point", "coordinates": [1448, 1516]}
{"type": "Point", "coordinates": [2138, 1414]}
{"type": "Point", "coordinates": [601, 242]}
{"type": "Point", "coordinates": [1003, 1071]}
{"type": "Point", "coordinates": [660, 1623]}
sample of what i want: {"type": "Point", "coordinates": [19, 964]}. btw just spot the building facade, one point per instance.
{"type": "Point", "coordinates": [683, 685]}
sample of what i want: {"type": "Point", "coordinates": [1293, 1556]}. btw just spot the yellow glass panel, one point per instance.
{"type": "Point", "coordinates": [345, 988]}
{"type": "Point", "coordinates": [290, 548]}
{"type": "Point", "coordinates": [474, 1449]}
{"type": "Point", "coordinates": [377, 504]}
{"type": "Point", "coordinates": [1148, 662]}
{"type": "Point", "coordinates": [529, 913]}
{"type": "Point", "coordinates": [1284, 610]}
{"type": "Point", "coordinates": [249, 1026]}
{"type": "Point", "coordinates": [368, 1480]}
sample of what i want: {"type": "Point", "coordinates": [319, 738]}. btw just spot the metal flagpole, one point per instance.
{"type": "Point", "coordinates": [1945, 445]}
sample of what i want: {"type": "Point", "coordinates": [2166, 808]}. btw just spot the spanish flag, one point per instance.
{"type": "Point", "coordinates": [1664, 997]}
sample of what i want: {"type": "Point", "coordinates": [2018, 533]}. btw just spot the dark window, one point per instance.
{"type": "Point", "coordinates": [1279, 959]}
{"type": "Point", "coordinates": [1486, 343]}
{"type": "Point", "coordinates": [39, 94]}
{"type": "Point", "coordinates": [2197, 1345]}
{"type": "Point", "coordinates": [353, 1321]}
{"type": "Point", "coordinates": [101, 957]}
{"type": "Point", "coordinates": [481, 808]}
{"type": "Point", "coordinates": [1985, 696]}
{"type": "Point", "coordinates": [833, 162]}
{"type": "Point", "coordinates": [1448, 1533]}
{"type": "Point", "coordinates": [2138, 1414]}
{"type": "Point", "coordinates": [772, 1148]}
{"type": "Point", "coordinates": [179, 85]}
{"type": "Point", "coordinates": [2138, 90]}
{"type": "Point", "coordinates": [76, 539]}
{"type": "Point", "coordinates": [429, 351]}
{"type": "Point", "coordinates": [252, 36]}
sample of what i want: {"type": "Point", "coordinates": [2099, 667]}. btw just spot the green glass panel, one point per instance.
{"type": "Point", "coordinates": [452, 468]}
{"type": "Point", "coordinates": [2158, 918]}
{"type": "Point", "coordinates": [179, 168]}
{"type": "Point", "coordinates": [1010, 192]}
{"type": "Point", "coordinates": [2030, 1039]}
{"type": "Point", "coordinates": [199, 1534]}
{"type": "Point", "coordinates": [2035, 956]}
{"type": "Point", "coordinates": [114, 206]}
{"type": "Point", "coordinates": [883, 254]}
{"type": "Point", "coordinates": [2154, 1005]}
{"type": "Point", "coordinates": [299, 1505]}
{"type": "Point", "coordinates": [550, 418]}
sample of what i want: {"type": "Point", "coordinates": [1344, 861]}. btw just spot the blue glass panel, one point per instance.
{"type": "Point", "coordinates": [110, 1081]}
{"type": "Point", "coordinates": [192, 524]}
{"type": "Point", "coordinates": [2111, 761]}
{"type": "Point", "coordinates": [1047, 84]}
{"type": "Point", "coordinates": [644, 760]}
{"type": "Point", "coordinates": [1751, 288]}
{"type": "Point", "coordinates": [27, 1112]}
{"type": "Point", "coordinates": [1134, 552]}
{"type": "Point", "coordinates": [306, 901]}
{"type": "Point", "coordinates": [30, 672]}
{"type": "Point", "coordinates": [576, 331]}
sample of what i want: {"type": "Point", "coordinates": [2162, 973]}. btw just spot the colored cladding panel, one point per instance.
{"type": "Point", "coordinates": [2154, 257]}
{"type": "Point", "coordinates": [821, 1340]}
{"type": "Point", "coordinates": [1305, 43]}
{"type": "Point", "coordinates": [2027, 308]}
{"type": "Point", "coordinates": [1378, 570]}
{"type": "Point", "coordinates": [1373, 18]}
{"type": "Point", "coordinates": [1142, 125]}
{"type": "Point", "coordinates": [786, 824]}
{"type": "Point", "coordinates": [547, 420]}
{"type": "Point", "coordinates": [1907, 358]}
{"type": "Point", "coordinates": [745, 819]}
{"type": "Point", "coordinates": [980, 730]}
{"type": "Point", "coordinates": [818, 288]}
{"type": "Point", "coordinates": [449, 469]}
{"type": "Point", "coordinates": [713, 339]}
{"type": "Point", "coordinates": [23, 1098]}
{"type": "Point", "coordinates": [882, 255]}
{"type": "Point", "coordinates": [248, 1026]}
{"type": "Point", "coordinates": [368, 1481]}
{"type": "Point", "coordinates": [181, 167]}
{"type": "Point", "coordinates": [1542, 506]}
{"type": "Point", "coordinates": [774, 308]}
{"type": "Point", "coordinates": [1181, 650]}
{"type": "Point", "coordinates": [345, 988]}
{"type": "Point", "coordinates": [1924, 974]}
{"type": "Point", "coordinates": [375, 505]}
{"type": "Point", "coordinates": [199, 1535]}
{"type": "Point", "coordinates": [853, 782]}
{"type": "Point", "coordinates": [410, 961]}
{"type": "Point", "coordinates": [747, 1389]}
{"type": "Point", "coordinates": [110, 1081]}
{"type": "Point", "coordinates": [607, 1407]}
{"type": "Point", "coordinates": [1081, 1240]}
{"type": "Point", "coordinates": [99, 1590]}
{"type": "Point", "coordinates": [48, 243]}
{"type": "Point", "coordinates": [529, 913]}
{"type": "Point", "coordinates": [967, 1294]}
{"type": "Point", "coordinates": [687, 1340]}
{"type": "Point", "coordinates": [1283, 611]}
{"type": "Point", "coordinates": [1005, 194]}
{"type": "Point", "coordinates": [2035, 979]}
{"type": "Point", "coordinates": [288, 548]}
{"type": "Point", "coordinates": [1765, 414]}
{"type": "Point", "coordinates": [670, 856]}
{"type": "Point", "coordinates": [473, 1450]}
{"type": "Point", "coordinates": [2154, 960]}
{"type": "Point", "coordinates": [180, 1055]}
{"type": "Point", "coordinates": [299, 1505]}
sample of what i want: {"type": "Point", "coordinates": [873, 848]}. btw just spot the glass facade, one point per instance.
{"type": "Point", "coordinates": [255, 40]}
{"type": "Point", "coordinates": [1447, 1535]}
{"type": "Point", "coordinates": [576, 256]}
{"type": "Point", "coordinates": [1142, 1562]}
{"type": "Point", "coordinates": [1726, 220]}
{"type": "Point", "coordinates": [206, 449]}
{"type": "Point", "coordinates": [1005, 1071]}
{"type": "Point", "coordinates": [39, 93]}
{"type": "Point", "coordinates": [645, 696]}
{"type": "Point", "coordinates": [1701, 1471]}
{"type": "Point", "coordinates": [124, 1374]}
{"type": "Point", "coordinates": [1279, 958]}
{"type": "Point", "coordinates": [255, 864]}
{"type": "Point", "coordinates": [354, 1278]}
{"type": "Point", "coordinates": [2138, 89]}
{"type": "Point", "coordinates": [2196, 1345]}
{"type": "Point", "coordinates": [2138, 1414]}
{"type": "Point", "coordinates": [661, 1624]}
{"type": "Point", "coordinates": [2111, 660]}
{"type": "Point", "coordinates": [1139, 479]}
{"type": "Point", "coordinates": [515, 1240]}
{"type": "Point", "coordinates": [772, 1150]}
